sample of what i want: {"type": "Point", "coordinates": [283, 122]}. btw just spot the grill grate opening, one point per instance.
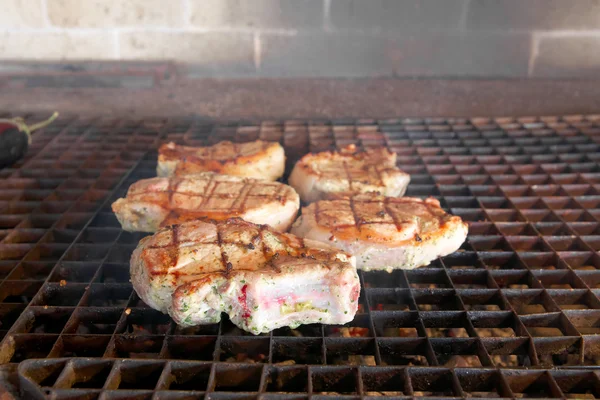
{"type": "Point", "coordinates": [522, 292]}
{"type": "Point", "coordinates": [244, 350]}
{"type": "Point", "coordinates": [186, 376]}
{"type": "Point", "coordinates": [406, 351]}
{"type": "Point", "coordinates": [237, 378]}
{"type": "Point", "coordinates": [286, 379]}
{"type": "Point", "coordinates": [579, 384]}
{"type": "Point", "coordinates": [80, 375]}
{"type": "Point", "coordinates": [186, 348]}
{"type": "Point", "coordinates": [485, 384]}
{"type": "Point", "coordinates": [433, 382]}
{"type": "Point", "coordinates": [533, 384]}
{"type": "Point", "coordinates": [297, 351]}
{"type": "Point", "coordinates": [143, 375]}
{"type": "Point", "coordinates": [332, 380]}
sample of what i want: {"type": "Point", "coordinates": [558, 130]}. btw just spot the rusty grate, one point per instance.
{"type": "Point", "coordinates": [523, 291]}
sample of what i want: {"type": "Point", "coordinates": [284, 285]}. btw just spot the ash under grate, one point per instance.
{"type": "Point", "coordinates": [521, 292]}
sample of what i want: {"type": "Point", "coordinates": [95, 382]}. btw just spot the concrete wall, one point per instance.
{"type": "Point", "coordinates": [315, 38]}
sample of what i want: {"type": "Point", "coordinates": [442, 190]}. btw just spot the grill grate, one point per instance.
{"type": "Point", "coordinates": [523, 291]}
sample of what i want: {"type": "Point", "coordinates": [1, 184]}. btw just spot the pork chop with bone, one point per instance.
{"type": "Point", "coordinates": [261, 278]}
{"type": "Point", "coordinates": [153, 203]}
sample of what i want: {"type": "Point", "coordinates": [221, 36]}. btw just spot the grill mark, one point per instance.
{"type": "Point", "coordinates": [171, 192]}
{"type": "Point", "coordinates": [166, 246]}
{"type": "Point", "coordinates": [379, 175]}
{"type": "Point", "coordinates": [175, 190]}
{"type": "Point", "coordinates": [302, 244]}
{"type": "Point", "coordinates": [270, 260]}
{"type": "Point", "coordinates": [357, 220]}
{"type": "Point", "coordinates": [391, 214]}
{"type": "Point", "coordinates": [174, 253]}
{"type": "Point", "coordinates": [348, 175]}
{"type": "Point", "coordinates": [279, 195]}
{"type": "Point", "coordinates": [243, 195]}
{"type": "Point", "coordinates": [227, 267]}
{"type": "Point", "coordinates": [172, 248]}
{"type": "Point", "coordinates": [214, 184]}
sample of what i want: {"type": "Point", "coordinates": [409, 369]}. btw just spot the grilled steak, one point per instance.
{"type": "Point", "coordinates": [383, 232]}
{"type": "Point", "coordinates": [318, 176]}
{"type": "Point", "coordinates": [156, 202]}
{"type": "Point", "coordinates": [259, 159]}
{"type": "Point", "coordinates": [261, 278]}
